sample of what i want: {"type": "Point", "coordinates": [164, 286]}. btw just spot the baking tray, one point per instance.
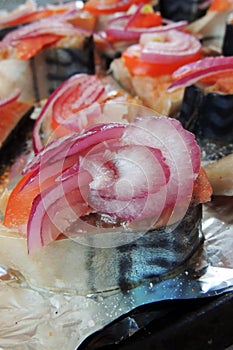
{"type": "Point", "coordinates": [199, 323]}
{"type": "Point", "coordinates": [178, 324]}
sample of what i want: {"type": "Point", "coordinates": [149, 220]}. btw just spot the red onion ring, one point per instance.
{"type": "Point", "coordinates": [37, 144]}
{"type": "Point", "coordinates": [54, 25]}
{"type": "Point", "coordinates": [101, 171]}
{"type": "Point", "coordinates": [121, 33]}
{"type": "Point", "coordinates": [68, 145]}
{"type": "Point", "coordinates": [174, 46]}
{"type": "Point", "coordinates": [202, 64]}
{"type": "Point", "coordinates": [191, 73]}
{"type": "Point", "coordinates": [79, 121]}
{"type": "Point", "coordinates": [39, 234]}
{"type": "Point", "coordinates": [91, 89]}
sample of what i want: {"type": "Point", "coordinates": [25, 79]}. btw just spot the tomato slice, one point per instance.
{"type": "Point", "coordinates": [63, 107]}
{"type": "Point", "coordinates": [74, 99]}
{"type": "Point", "coordinates": [202, 189]}
{"type": "Point", "coordinates": [136, 66]}
{"type": "Point", "coordinates": [222, 81]}
{"type": "Point", "coordinates": [100, 7]}
{"type": "Point", "coordinates": [28, 47]}
{"type": "Point", "coordinates": [146, 20]}
{"type": "Point", "coordinates": [19, 204]}
{"type": "Point", "coordinates": [220, 5]}
{"type": "Point", "coordinates": [21, 198]}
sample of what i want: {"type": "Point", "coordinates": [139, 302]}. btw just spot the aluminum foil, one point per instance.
{"type": "Point", "coordinates": [31, 319]}
{"type": "Point", "coordinates": [37, 320]}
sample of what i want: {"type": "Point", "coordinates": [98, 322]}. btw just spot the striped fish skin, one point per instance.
{"type": "Point", "coordinates": [157, 254]}
{"type": "Point", "coordinates": [52, 67]}
{"type": "Point", "coordinates": [207, 114]}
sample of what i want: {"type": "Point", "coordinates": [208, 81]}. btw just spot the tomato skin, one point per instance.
{"type": "Point", "coordinates": [221, 5]}
{"type": "Point", "coordinates": [28, 47]}
{"type": "Point", "coordinates": [63, 107]}
{"type": "Point", "coordinates": [27, 189]}
{"type": "Point", "coordinates": [147, 20]}
{"type": "Point", "coordinates": [220, 82]}
{"type": "Point", "coordinates": [136, 66]}
{"type": "Point", "coordinates": [19, 204]}
{"type": "Point", "coordinates": [21, 199]}
{"type": "Point", "coordinates": [110, 6]}
{"type": "Point", "coordinates": [202, 189]}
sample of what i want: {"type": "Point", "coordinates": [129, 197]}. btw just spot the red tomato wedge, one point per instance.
{"type": "Point", "coordinates": [31, 184]}
{"type": "Point", "coordinates": [146, 20]}
{"type": "Point", "coordinates": [137, 66]}
{"type": "Point", "coordinates": [28, 47]}
{"type": "Point", "coordinates": [19, 204]}
{"type": "Point", "coordinates": [221, 81]}
{"type": "Point", "coordinates": [202, 190]}
{"type": "Point", "coordinates": [221, 5]}
{"type": "Point", "coordinates": [106, 7]}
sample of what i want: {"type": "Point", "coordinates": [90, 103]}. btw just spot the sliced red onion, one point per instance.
{"type": "Point", "coordinates": [75, 143]}
{"type": "Point", "coordinates": [191, 73]}
{"type": "Point", "coordinates": [72, 82]}
{"type": "Point", "coordinates": [120, 33]}
{"type": "Point", "coordinates": [13, 97]}
{"type": "Point", "coordinates": [47, 174]}
{"type": "Point", "coordinates": [90, 90]}
{"type": "Point", "coordinates": [164, 133]}
{"type": "Point", "coordinates": [179, 148]}
{"type": "Point", "coordinates": [56, 24]}
{"type": "Point", "coordinates": [82, 119]}
{"type": "Point", "coordinates": [115, 110]}
{"type": "Point", "coordinates": [150, 207]}
{"type": "Point", "coordinates": [202, 64]}
{"type": "Point", "coordinates": [129, 171]}
{"type": "Point", "coordinates": [45, 208]}
{"type": "Point", "coordinates": [168, 47]}
{"type": "Point", "coordinates": [134, 33]}
{"type": "Point", "coordinates": [126, 172]}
